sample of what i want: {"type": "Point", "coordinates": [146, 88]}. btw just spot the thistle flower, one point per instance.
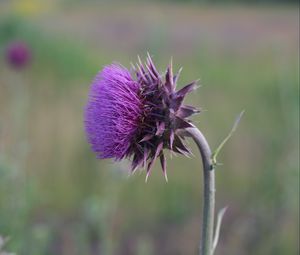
{"type": "Point", "coordinates": [18, 54]}
{"type": "Point", "coordinates": [137, 115]}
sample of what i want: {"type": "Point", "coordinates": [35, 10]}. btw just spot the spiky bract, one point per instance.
{"type": "Point", "coordinates": [137, 118]}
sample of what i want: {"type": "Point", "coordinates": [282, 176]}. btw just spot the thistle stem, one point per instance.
{"type": "Point", "coordinates": [206, 242]}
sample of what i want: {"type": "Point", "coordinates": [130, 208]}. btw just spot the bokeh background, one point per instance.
{"type": "Point", "coordinates": [57, 198]}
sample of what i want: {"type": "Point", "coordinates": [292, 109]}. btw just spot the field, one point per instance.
{"type": "Point", "coordinates": [57, 198]}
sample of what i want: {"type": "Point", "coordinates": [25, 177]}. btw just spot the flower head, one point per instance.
{"type": "Point", "coordinates": [137, 117]}
{"type": "Point", "coordinates": [18, 54]}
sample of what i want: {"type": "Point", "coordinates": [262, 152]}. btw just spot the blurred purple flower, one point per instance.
{"type": "Point", "coordinates": [137, 118]}
{"type": "Point", "coordinates": [18, 54]}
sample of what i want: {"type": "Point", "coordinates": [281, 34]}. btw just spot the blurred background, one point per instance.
{"type": "Point", "coordinates": [57, 198]}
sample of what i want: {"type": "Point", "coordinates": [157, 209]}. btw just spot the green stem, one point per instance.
{"type": "Point", "coordinates": [206, 242]}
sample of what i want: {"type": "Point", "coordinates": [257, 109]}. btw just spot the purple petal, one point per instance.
{"type": "Point", "coordinates": [112, 112]}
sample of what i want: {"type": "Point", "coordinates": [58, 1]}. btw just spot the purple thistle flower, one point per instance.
{"type": "Point", "coordinates": [18, 55]}
{"type": "Point", "coordinates": [113, 111]}
{"type": "Point", "coordinates": [137, 118]}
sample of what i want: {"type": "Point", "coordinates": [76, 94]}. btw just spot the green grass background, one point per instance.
{"type": "Point", "coordinates": [56, 198]}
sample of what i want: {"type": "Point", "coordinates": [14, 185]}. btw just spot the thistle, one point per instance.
{"type": "Point", "coordinates": [138, 115]}
{"type": "Point", "coordinates": [18, 55]}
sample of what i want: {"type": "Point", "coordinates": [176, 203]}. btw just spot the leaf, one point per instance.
{"type": "Point", "coordinates": [234, 127]}
{"type": "Point", "coordinates": [220, 216]}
